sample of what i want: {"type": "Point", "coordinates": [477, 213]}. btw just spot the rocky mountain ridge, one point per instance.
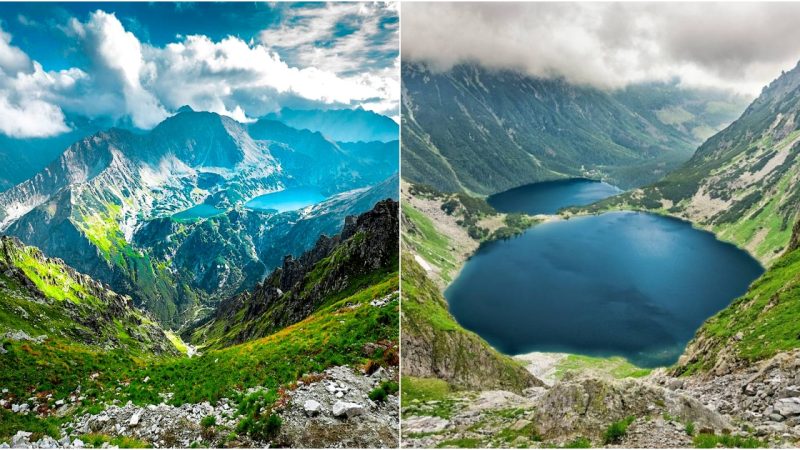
{"type": "Point", "coordinates": [107, 206]}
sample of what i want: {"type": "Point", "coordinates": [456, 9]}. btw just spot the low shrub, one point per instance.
{"type": "Point", "coordinates": [617, 430]}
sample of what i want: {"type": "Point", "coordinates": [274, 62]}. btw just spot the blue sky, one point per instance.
{"type": "Point", "coordinates": [139, 62]}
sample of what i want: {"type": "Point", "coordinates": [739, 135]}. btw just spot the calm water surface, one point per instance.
{"type": "Point", "coordinates": [286, 200]}
{"type": "Point", "coordinates": [623, 283]}
{"type": "Point", "coordinates": [197, 212]}
{"type": "Point", "coordinates": [549, 197]}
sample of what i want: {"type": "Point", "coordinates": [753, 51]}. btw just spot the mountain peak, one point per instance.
{"type": "Point", "coordinates": [184, 108]}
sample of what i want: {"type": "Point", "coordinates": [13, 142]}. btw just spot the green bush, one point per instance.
{"type": "Point", "coordinates": [579, 442]}
{"type": "Point", "coordinates": [386, 388]}
{"type": "Point", "coordinates": [208, 421]}
{"type": "Point", "coordinates": [391, 387]}
{"type": "Point", "coordinates": [689, 428]}
{"type": "Point", "coordinates": [260, 428]}
{"type": "Point", "coordinates": [708, 440]}
{"type": "Point", "coordinates": [617, 430]}
{"type": "Point", "coordinates": [378, 394]}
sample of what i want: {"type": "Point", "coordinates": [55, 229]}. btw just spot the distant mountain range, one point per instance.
{"type": "Point", "coordinates": [342, 125]}
{"type": "Point", "coordinates": [106, 205]}
{"type": "Point", "coordinates": [483, 131]}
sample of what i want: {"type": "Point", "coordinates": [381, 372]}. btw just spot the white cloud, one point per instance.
{"type": "Point", "coordinates": [738, 46]}
{"type": "Point", "coordinates": [12, 59]}
{"type": "Point", "coordinates": [34, 118]}
{"type": "Point", "coordinates": [130, 79]}
{"type": "Point", "coordinates": [360, 54]}
{"type": "Point", "coordinates": [213, 75]}
{"type": "Point", "coordinates": [117, 57]}
{"type": "Point", "coordinates": [28, 106]}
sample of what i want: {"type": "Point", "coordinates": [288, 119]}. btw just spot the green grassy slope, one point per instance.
{"type": "Point", "coordinates": [42, 296]}
{"type": "Point", "coordinates": [334, 335]}
{"type": "Point", "coordinates": [756, 326]}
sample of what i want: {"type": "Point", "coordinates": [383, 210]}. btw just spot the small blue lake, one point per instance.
{"type": "Point", "coordinates": [626, 284]}
{"type": "Point", "coordinates": [550, 196]}
{"type": "Point", "coordinates": [197, 212]}
{"type": "Point", "coordinates": [286, 200]}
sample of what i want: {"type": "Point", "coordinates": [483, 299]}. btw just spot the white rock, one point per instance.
{"type": "Point", "coordinates": [788, 407]}
{"type": "Point", "coordinates": [339, 394]}
{"type": "Point", "coordinates": [347, 409]}
{"type": "Point", "coordinates": [135, 419]}
{"type": "Point", "coordinates": [20, 439]}
{"type": "Point", "coordinates": [424, 424]}
{"type": "Point", "coordinates": [59, 402]}
{"type": "Point", "coordinates": [312, 407]}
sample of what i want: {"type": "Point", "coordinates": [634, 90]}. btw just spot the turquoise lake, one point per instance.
{"type": "Point", "coordinates": [286, 200]}
{"type": "Point", "coordinates": [626, 284]}
{"type": "Point", "coordinates": [197, 212]}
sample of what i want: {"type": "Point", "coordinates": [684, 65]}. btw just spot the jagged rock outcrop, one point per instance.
{"type": "Point", "coordinates": [586, 406]}
{"type": "Point", "coordinates": [367, 245]}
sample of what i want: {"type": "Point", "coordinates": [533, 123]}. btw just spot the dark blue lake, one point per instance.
{"type": "Point", "coordinates": [622, 283]}
{"type": "Point", "coordinates": [196, 212]}
{"type": "Point", "coordinates": [549, 197]}
{"type": "Point", "coordinates": [286, 200]}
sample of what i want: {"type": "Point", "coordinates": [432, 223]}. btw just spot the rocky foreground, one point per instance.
{"type": "Point", "coordinates": [758, 406]}
{"type": "Point", "coordinates": [329, 409]}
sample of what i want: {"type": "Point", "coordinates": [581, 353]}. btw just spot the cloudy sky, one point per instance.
{"type": "Point", "coordinates": [736, 46]}
{"type": "Point", "coordinates": [137, 63]}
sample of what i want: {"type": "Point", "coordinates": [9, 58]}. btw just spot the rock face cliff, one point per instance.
{"type": "Point", "coordinates": [365, 251]}
{"type": "Point", "coordinates": [42, 296]}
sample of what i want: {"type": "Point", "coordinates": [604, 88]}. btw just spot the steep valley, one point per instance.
{"type": "Point", "coordinates": [312, 366]}
{"type": "Point", "coordinates": [482, 131]}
